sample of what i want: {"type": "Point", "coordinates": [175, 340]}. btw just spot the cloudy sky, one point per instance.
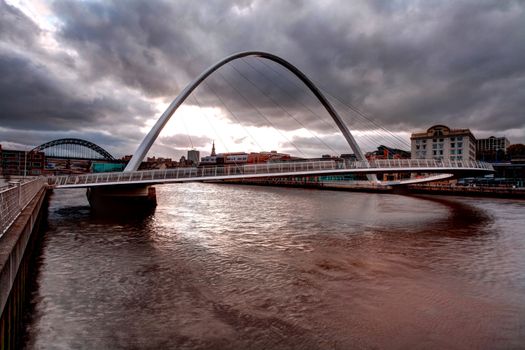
{"type": "Point", "coordinates": [104, 71]}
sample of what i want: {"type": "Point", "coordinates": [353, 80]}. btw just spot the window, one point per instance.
{"type": "Point", "coordinates": [417, 146]}
{"type": "Point", "coordinates": [441, 152]}
{"type": "Point", "coordinates": [452, 139]}
{"type": "Point", "coordinates": [434, 152]}
{"type": "Point", "coordinates": [452, 151]}
{"type": "Point", "coordinates": [452, 144]}
{"type": "Point", "coordinates": [441, 140]}
{"type": "Point", "coordinates": [460, 144]}
{"type": "Point", "coordinates": [460, 151]}
{"type": "Point", "coordinates": [424, 146]}
{"type": "Point", "coordinates": [434, 146]}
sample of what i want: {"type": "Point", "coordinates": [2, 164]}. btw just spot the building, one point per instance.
{"type": "Point", "coordinates": [21, 163]}
{"type": "Point", "coordinates": [492, 149]}
{"type": "Point", "coordinates": [67, 166]}
{"type": "Point", "coordinates": [158, 163]}
{"type": "Point", "coordinates": [208, 160]}
{"type": "Point", "coordinates": [193, 156]}
{"type": "Point", "coordinates": [266, 157]}
{"type": "Point", "coordinates": [441, 142]}
{"type": "Point", "coordinates": [234, 158]}
{"type": "Point", "coordinates": [384, 152]}
{"type": "Point", "coordinates": [237, 158]}
{"type": "Point", "coordinates": [349, 157]}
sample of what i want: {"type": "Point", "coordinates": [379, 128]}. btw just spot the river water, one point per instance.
{"type": "Point", "coordinates": [243, 267]}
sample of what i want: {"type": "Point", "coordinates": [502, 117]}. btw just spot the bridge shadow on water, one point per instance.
{"type": "Point", "coordinates": [463, 219]}
{"type": "Point", "coordinates": [130, 215]}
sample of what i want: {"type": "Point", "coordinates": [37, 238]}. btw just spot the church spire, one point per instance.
{"type": "Point", "coordinates": [213, 149]}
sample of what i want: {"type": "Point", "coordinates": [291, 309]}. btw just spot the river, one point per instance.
{"type": "Point", "coordinates": [246, 267]}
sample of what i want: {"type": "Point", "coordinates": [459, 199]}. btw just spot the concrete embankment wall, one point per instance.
{"type": "Point", "coordinates": [17, 247]}
{"type": "Point", "coordinates": [334, 186]}
{"type": "Point", "coordinates": [498, 192]}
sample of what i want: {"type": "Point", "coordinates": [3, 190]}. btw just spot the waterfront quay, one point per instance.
{"type": "Point", "coordinates": [22, 208]}
{"type": "Point", "coordinates": [251, 267]}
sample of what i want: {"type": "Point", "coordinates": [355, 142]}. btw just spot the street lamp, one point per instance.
{"type": "Point", "coordinates": [25, 162]}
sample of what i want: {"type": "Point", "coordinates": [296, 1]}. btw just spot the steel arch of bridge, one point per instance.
{"type": "Point", "coordinates": [79, 142]}
{"type": "Point", "coordinates": [146, 144]}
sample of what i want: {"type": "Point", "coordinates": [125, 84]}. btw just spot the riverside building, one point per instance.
{"type": "Point", "coordinates": [492, 149]}
{"type": "Point", "coordinates": [441, 142]}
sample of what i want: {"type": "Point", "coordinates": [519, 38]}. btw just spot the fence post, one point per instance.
{"type": "Point", "coordinates": [18, 192]}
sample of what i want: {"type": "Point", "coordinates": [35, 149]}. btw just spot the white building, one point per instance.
{"type": "Point", "coordinates": [441, 142]}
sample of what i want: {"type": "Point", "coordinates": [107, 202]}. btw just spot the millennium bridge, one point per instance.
{"type": "Point", "coordinates": [132, 181]}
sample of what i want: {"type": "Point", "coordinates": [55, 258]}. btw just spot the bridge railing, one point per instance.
{"type": "Point", "coordinates": [429, 163]}
{"type": "Point", "coordinates": [261, 169]}
{"type": "Point", "coordinates": [14, 198]}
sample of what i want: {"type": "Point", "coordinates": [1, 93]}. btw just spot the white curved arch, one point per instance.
{"type": "Point", "coordinates": [146, 144]}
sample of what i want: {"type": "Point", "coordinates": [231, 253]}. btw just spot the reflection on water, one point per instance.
{"type": "Point", "coordinates": [240, 267]}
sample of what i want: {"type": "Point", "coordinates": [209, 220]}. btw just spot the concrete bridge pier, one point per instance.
{"type": "Point", "coordinates": [122, 198]}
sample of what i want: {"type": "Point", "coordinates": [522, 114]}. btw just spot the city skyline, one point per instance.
{"type": "Point", "coordinates": [105, 71]}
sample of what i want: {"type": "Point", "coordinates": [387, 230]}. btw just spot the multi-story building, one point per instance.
{"type": "Point", "coordinates": [441, 142]}
{"type": "Point", "coordinates": [193, 156]}
{"type": "Point", "coordinates": [384, 152]}
{"type": "Point", "coordinates": [236, 158]}
{"type": "Point", "coordinates": [266, 157]}
{"type": "Point", "coordinates": [493, 144]}
{"type": "Point", "coordinates": [492, 149]}
{"type": "Point", "coordinates": [21, 163]}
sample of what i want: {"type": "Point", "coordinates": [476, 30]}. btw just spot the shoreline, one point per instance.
{"type": "Point", "coordinates": [488, 192]}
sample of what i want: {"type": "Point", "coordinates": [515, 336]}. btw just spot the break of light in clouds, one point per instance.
{"type": "Point", "coordinates": [104, 71]}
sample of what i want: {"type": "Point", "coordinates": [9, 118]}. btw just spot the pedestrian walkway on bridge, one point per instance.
{"type": "Point", "coordinates": [281, 169]}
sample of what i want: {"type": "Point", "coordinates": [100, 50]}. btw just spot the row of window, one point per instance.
{"type": "Point", "coordinates": [452, 139]}
{"type": "Point", "coordinates": [453, 145]}
{"type": "Point", "coordinates": [440, 152]}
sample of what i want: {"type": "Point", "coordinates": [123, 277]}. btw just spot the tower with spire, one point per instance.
{"type": "Point", "coordinates": [213, 149]}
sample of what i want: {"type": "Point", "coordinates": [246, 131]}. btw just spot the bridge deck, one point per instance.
{"type": "Point", "coordinates": [307, 168]}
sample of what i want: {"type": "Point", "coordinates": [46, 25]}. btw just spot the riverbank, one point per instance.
{"type": "Point", "coordinates": [475, 191]}
{"type": "Point", "coordinates": [363, 186]}
{"type": "Point", "coordinates": [17, 249]}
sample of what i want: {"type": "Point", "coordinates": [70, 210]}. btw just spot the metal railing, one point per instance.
{"type": "Point", "coordinates": [14, 198]}
{"type": "Point", "coordinates": [271, 169]}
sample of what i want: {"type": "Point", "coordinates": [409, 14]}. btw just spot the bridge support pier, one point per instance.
{"type": "Point", "coordinates": [122, 198]}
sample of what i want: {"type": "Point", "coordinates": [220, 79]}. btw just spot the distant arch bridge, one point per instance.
{"type": "Point", "coordinates": [72, 148]}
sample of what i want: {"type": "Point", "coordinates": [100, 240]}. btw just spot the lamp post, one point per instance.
{"type": "Point", "coordinates": [25, 162]}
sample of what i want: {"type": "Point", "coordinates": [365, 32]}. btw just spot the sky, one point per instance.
{"type": "Point", "coordinates": [105, 71]}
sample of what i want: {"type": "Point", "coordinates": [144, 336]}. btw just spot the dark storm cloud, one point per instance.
{"type": "Point", "coordinates": [39, 103]}
{"type": "Point", "coordinates": [408, 64]}
{"type": "Point", "coordinates": [33, 98]}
